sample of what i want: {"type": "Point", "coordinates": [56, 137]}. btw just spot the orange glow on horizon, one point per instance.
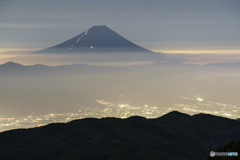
{"type": "Point", "coordinates": [10, 53]}
{"type": "Point", "coordinates": [4, 50]}
{"type": "Point", "coordinates": [200, 51]}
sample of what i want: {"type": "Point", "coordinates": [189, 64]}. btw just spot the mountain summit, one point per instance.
{"type": "Point", "coordinates": [97, 45]}
{"type": "Point", "coordinates": [96, 39]}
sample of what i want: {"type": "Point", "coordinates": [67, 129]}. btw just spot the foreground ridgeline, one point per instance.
{"type": "Point", "coordinates": [170, 137]}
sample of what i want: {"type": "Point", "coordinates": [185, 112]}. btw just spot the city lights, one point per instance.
{"type": "Point", "coordinates": [111, 109]}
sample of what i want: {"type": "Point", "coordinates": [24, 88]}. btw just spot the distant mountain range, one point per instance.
{"type": "Point", "coordinates": [174, 136]}
{"type": "Point", "coordinates": [15, 66]}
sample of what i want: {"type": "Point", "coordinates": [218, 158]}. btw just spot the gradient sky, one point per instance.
{"type": "Point", "coordinates": [170, 26]}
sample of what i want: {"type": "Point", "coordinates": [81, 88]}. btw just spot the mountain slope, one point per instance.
{"type": "Point", "coordinates": [97, 39]}
{"type": "Point", "coordinates": [172, 136]}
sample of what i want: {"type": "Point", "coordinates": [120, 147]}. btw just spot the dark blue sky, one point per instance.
{"type": "Point", "coordinates": [174, 26]}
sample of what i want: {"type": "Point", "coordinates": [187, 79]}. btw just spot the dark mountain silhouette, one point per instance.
{"type": "Point", "coordinates": [170, 137]}
{"type": "Point", "coordinates": [98, 44]}
{"type": "Point", "coordinates": [97, 39]}
{"type": "Point", "coordinates": [11, 65]}
{"type": "Point", "coordinates": [16, 68]}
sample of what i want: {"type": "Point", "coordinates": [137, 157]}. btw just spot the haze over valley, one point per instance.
{"type": "Point", "coordinates": [80, 90]}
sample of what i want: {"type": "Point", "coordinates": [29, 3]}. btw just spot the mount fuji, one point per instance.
{"type": "Point", "coordinates": [97, 39]}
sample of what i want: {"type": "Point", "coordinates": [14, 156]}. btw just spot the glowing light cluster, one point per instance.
{"type": "Point", "coordinates": [200, 99]}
